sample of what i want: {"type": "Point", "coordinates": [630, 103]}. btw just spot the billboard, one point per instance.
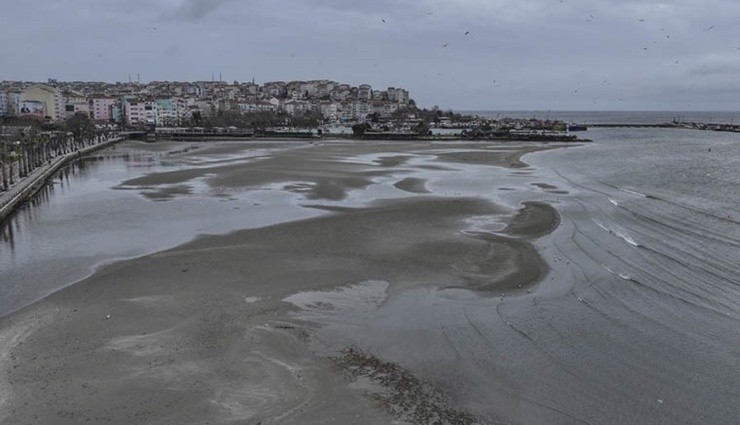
{"type": "Point", "coordinates": [32, 108]}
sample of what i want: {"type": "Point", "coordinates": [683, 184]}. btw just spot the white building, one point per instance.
{"type": "Point", "coordinates": [362, 110]}
{"type": "Point", "coordinates": [140, 111]}
{"type": "Point", "coordinates": [102, 108]}
{"type": "Point", "coordinates": [4, 104]}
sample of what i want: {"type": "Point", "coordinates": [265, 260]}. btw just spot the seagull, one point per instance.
{"type": "Point", "coordinates": [383, 20]}
{"type": "Point", "coordinates": [467, 32]}
{"type": "Point", "coordinates": [444, 45]}
{"type": "Point", "coordinates": [709, 28]}
{"type": "Point", "coordinates": [640, 20]}
{"type": "Point", "coordinates": [430, 13]}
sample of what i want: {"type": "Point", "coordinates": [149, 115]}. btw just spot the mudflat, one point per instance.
{"type": "Point", "coordinates": [206, 333]}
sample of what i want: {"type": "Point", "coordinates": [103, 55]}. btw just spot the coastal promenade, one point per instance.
{"type": "Point", "coordinates": [26, 187]}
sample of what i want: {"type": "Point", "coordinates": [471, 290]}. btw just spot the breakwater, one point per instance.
{"type": "Point", "coordinates": [732, 128]}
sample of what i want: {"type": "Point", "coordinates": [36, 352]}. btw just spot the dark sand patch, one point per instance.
{"type": "Point", "coordinates": [503, 158]}
{"type": "Point", "coordinates": [403, 395]}
{"type": "Point", "coordinates": [413, 185]}
{"type": "Point", "coordinates": [392, 161]}
{"type": "Point", "coordinates": [330, 179]}
{"type": "Point", "coordinates": [544, 186]}
{"type": "Point", "coordinates": [167, 193]}
{"type": "Point", "coordinates": [534, 220]}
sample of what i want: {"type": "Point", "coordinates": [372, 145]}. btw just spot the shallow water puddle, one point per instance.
{"type": "Point", "coordinates": [340, 303]}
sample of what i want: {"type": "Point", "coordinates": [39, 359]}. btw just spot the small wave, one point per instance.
{"type": "Point", "coordinates": [625, 276]}
{"type": "Point", "coordinates": [606, 229]}
{"type": "Point", "coordinates": [632, 192]}
{"type": "Point", "coordinates": [626, 238]}
{"type": "Point", "coordinates": [607, 269]}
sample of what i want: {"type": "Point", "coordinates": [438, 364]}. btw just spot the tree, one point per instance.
{"type": "Point", "coordinates": [309, 119]}
{"type": "Point", "coordinates": [360, 129]}
{"type": "Point", "coordinates": [80, 126]}
{"type": "Point", "coordinates": [422, 128]}
{"type": "Point", "coordinates": [196, 119]}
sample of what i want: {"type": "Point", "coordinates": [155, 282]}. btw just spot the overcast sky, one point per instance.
{"type": "Point", "coordinates": [519, 54]}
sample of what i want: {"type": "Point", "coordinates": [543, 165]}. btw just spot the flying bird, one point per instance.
{"type": "Point", "coordinates": [709, 28]}
{"type": "Point", "coordinates": [430, 13]}
{"type": "Point", "coordinates": [640, 20]}
{"type": "Point", "coordinates": [383, 20]}
{"type": "Point", "coordinates": [467, 32]}
{"type": "Point", "coordinates": [444, 45]}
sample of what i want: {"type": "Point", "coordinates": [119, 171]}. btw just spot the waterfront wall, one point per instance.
{"type": "Point", "coordinates": [29, 185]}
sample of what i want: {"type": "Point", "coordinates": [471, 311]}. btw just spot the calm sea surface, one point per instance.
{"type": "Point", "coordinates": [620, 117]}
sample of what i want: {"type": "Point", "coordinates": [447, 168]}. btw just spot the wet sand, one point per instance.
{"type": "Point", "coordinates": [412, 184]}
{"type": "Point", "coordinates": [201, 333]}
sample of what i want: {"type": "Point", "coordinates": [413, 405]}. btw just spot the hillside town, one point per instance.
{"type": "Point", "coordinates": [175, 104]}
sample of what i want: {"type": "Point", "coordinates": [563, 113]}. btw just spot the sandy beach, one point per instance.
{"type": "Point", "coordinates": [202, 333]}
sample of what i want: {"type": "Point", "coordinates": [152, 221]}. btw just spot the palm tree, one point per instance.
{"type": "Point", "coordinates": [3, 168]}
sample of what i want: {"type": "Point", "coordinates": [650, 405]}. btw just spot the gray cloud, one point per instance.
{"type": "Point", "coordinates": [543, 54]}
{"type": "Point", "coordinates": [194, 10]}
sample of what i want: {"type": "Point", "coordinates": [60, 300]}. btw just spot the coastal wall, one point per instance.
{"type": "Point", "coordinates": [28, 186]}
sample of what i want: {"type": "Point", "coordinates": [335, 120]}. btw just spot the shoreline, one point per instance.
{"type": "Point", "coordinates": [179, 319]}
{"type": "Point", "coordinates": [25, 189]}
